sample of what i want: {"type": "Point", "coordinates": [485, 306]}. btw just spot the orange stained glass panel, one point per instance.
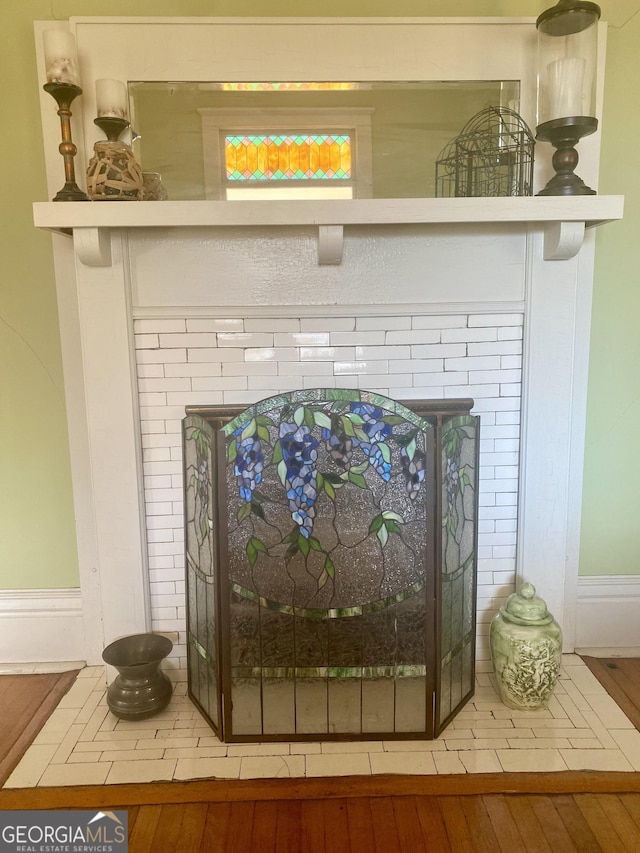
{"type": "Point", "coordinates": [282, 157]}
{"type": "Point", "coordinates": [294, 158]}
{"type": "Point", "coordinates": [273, 157]}
{"type": "Point", "coordinates": [345, 156]}
{"type": "Point", "coordinates": [241, 158]}
{"type": "Point", "coordinates": [230, 158]}
{"type": "Point", "coordinates": [252, 158]}
{"type": "Point", "coordinates": [314, 157]}
{"type": "Point", "coordinates": [263, 158]}
{"type": "Point", "coordinates": [305, 158]}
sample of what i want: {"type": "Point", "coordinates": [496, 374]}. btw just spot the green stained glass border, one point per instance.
{"type": "Point", "coordinates": [200, 649]}
{"type": "Point", "coordinates": [208, 579]}
{"type": "Point", "coordinates": [326, 395]}
{"type": "Point", "coordinates": [459, 572]}
{"type": "Point", "coordinates": [289, 672]}
{"type": "Point", "coordinates": [335, 613]}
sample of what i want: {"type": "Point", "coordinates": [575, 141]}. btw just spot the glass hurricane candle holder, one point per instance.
{"type": "Point", "coordinates": [567, 63]}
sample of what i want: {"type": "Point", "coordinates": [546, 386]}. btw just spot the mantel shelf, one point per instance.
{"type": "Point", "coordinates": [564, 218]}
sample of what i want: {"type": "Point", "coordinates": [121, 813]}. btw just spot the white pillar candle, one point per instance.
{"type": "Point", "coordinates": [111, 98]}
{"type": "Point", "coordinates": [61, 57]}
{"type": "Point", "coordinates": [566, 82]}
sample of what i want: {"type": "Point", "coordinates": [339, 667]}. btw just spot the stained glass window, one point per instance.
{"type": "Point", "coordinates": [288, 157]}
{"type": "Point", "coordinates": [288, 152]}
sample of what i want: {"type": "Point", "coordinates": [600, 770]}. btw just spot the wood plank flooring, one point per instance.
{"type": "Point", "coordinates": [620, 677]}
{"type": "Point", "coordinates": [357, 823]}
{"type": "Point", "coordinates": [25, 704]}
{"type": "Point", "coordinates": [572, 811]}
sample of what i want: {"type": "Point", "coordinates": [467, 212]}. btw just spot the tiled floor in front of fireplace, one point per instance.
{"type": "Point", "coordinates": [82, 743]}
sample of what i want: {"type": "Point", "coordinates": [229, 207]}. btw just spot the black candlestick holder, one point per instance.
{"type": "Point", "coordinates": [112, 127]}
{"type": "Point", "coordinates": [64, 94]}
{"type": "Point", "coordinates": [564, 134]}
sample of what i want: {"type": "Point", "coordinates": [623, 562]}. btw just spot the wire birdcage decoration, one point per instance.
{"type": "Point", "coordinates": [492, 156]}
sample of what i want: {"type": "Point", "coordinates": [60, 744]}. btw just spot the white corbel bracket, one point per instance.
{"type": "Point", "coordinates": [562, 240]}
{"type": "Point", "coordinates": [93, 246]}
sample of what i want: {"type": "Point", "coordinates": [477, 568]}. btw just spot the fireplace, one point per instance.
{"type": "Point", "coordinates": [186, 303]}
{"type": "Point", "coordinates": [331, 540]}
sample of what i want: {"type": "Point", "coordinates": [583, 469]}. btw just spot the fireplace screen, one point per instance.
{"type": "Point", "coordinates": [330, 544]}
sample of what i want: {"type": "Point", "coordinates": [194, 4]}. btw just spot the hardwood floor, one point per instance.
{"type": "Point", "coordinates": [25, 703]}
{"type": "Point", "coordinates": [408, 824]}
{"type": "Point", "coordinates": [335, 815]}
{"type": "Point", "coordinates": [620, 677]}
{"type": "Point", "coordinates": [581, 811]}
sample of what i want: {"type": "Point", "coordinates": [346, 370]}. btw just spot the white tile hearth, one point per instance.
{"type": "Point", "coordinates": [82, 743]}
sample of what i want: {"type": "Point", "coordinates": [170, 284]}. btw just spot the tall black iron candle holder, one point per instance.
{"type": "Point", "coordinates": [64, 94]}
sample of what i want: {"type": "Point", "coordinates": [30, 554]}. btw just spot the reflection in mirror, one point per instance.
{"type": "Point", "coordinates": [303, 140]}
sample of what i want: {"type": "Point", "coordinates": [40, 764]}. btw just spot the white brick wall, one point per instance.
{"type": "Point", "coordinates": [206, 360]}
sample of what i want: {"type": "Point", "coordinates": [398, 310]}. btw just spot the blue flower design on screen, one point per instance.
{"type": "Point", "coordinates": [376, 431]}
{"type": "Point", "coordinates": [248, 463]}
{"type": "Point", "coordinates": [299, 457]}
{"type": "Point", "coordinates": [315, 450]}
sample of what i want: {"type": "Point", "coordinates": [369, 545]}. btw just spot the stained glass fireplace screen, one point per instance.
{"type": "Point", "coordinates": [331, 565]}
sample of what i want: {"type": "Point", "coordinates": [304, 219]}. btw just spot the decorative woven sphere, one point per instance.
{"type": "Point", "coordinates": [113, 173]}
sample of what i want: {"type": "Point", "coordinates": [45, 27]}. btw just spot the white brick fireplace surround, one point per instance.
{"type": "Point", "coordinates": [234, 360]}
{"type": "Point", "coordinates": [164, 305]}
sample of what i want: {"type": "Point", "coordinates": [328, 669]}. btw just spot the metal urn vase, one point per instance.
{"type": "Point", "coordinates": [140, 689]}
{"type": "Point", "coordinates": [526, 650]}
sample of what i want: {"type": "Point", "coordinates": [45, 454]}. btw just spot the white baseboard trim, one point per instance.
{"type": "Point", "coordinates": [41, 630]}
{"type": "Point", "coordinates": [608, 616]}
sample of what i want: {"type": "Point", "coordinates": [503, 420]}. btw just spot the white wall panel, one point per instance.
{"type": "Point", "coordinates": [384, 265]}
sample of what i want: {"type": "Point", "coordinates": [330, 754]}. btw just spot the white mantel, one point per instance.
{"type": "Point", "coordinates": [145, 287]}
{"type": "Point", "coordinates": [564, 219]}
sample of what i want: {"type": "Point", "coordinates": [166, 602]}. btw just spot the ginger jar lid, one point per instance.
{"type": "Point", "coordinates": [526, 608]}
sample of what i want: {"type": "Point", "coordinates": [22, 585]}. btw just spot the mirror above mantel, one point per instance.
{"type": "Point", "coordinates": [312, 140]}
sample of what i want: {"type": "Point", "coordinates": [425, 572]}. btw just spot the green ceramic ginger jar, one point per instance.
{"type": "Point", "coordinates": [526, 650]}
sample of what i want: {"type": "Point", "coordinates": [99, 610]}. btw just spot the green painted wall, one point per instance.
{"type": "Point", "coordinates": [611, 497]}
{"type": "Point", "coordinates": [37, 544]}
